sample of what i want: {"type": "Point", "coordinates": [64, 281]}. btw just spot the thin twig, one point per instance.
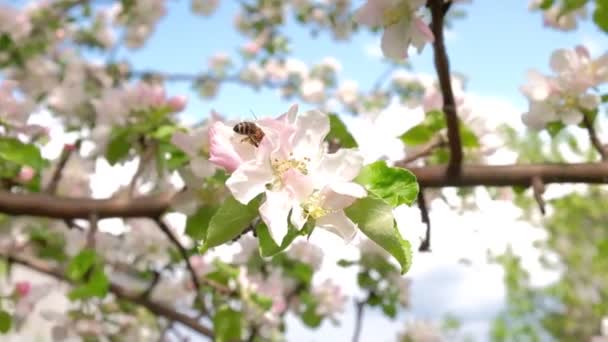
{"type": "Point", "coordinates": [538, 189]}
{"type": "Point", "coordinates": [435, 143]}
{"type": "Point", "coordinates": [359, 307]}
{"type": "Point", "coordinates": [51, 187]}
{"type": "Point", "coordinates": [438, 10]}
{"type": "Point", "coordinates": [595, 141]}
{"type": "Point", "coordinates": [196, 281]}
{"type": "Point", "coordinates": [92, 231]}
{"type": "Point", "coordinates": [425, 245]}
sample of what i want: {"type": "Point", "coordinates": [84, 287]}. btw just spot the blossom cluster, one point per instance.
{"type": "Point", "coordinates": [570, 93]}
{"type": "Point", "coordinates": [291, 167]}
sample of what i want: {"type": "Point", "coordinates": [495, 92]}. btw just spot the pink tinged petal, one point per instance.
{"type": "Point", "coordinates": [424, 31]}
{"type": "Point", "coordinates": [395, 41]}
{"type": "Point", "coordinates": [274, 212]}
{"type": "Point", "coordinates": [538, 86]}
{"type": "Point", "coordinates": [563, 60]}
{"type": "Point", "coordinates": [185, 143]}
{"type": "Point", "coordinates": [23, 288]}
{"type": "Point", "coordinates": [370, 14]}
{"type": "Point", "coordinates": [342, 195]}
{"type": "Point", "coordinates": [26, 174]}
{"type": "Point", "coordinates": [222, 151]}
{"type": "Point", "coordinates": [339, 224]}
{"type": "Point", "coordinates": [289, 117]}
{"type": "Point", "coordinates": [249, 180]}
{"type": "Point", "coordinates": [177, 103]}
{"type": "Point", "coordinates": [298, 185]}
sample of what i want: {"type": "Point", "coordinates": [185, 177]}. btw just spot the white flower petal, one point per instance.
{"type": "Point", "coordinates": [572, 117]}
{"type": "Point", "coordinates": [395, 41]}
{"type": "Point", "coordinates": [274, 212]}
{"type": "Point", "coordinates": [311, 128]}
{"type": "Point", "coordinates": [344, 165]}
{"type": "Point", "coordinates": [249, 180]}
{"type": "Point", "coordinates": [339, 224]}
{"type": "Point", "coordinates": [342, 195]}
{"type": "Point", "coordinates": [298, 217]}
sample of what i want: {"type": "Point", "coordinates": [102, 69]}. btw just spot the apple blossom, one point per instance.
{"type": "Point", "coordinates": [555, 18]}
{"type": "Point", "coordinates": [204, 7]}
{"type": "Point", "coordinates": [402, 25]}
{"type": "Point", "coordinates": [306, 252]}
{"type": "Point", "coordinates": [348, 93]}
{"type": "Point", "coordinates": [330, 299]}
{"type": "Point", "coordinates": [291, 167]}
{"type": "Point", "coordinates": [313, 90]}
{"type": "Point", "coordinates": [568, 94]}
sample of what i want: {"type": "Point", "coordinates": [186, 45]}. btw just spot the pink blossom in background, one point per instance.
{"type": "Point", "coordinates": [177, 103]}
{"type": "Point", "coordinates": [26, 174]}
{"type": "Point", "coordinates": [23, 288]}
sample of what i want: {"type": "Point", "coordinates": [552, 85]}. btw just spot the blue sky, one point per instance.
{"type": "Point", "coordinates": [493, 46]}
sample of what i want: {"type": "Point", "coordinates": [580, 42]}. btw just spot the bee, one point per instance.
{"type": "Point", "coordinates": [254, 134]}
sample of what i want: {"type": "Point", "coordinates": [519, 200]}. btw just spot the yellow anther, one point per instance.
{"type": "Point", "coordinates": [313, 206]}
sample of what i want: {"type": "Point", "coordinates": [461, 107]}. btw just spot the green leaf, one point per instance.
{"type": "Point", "coordinates": [227, 325]}
{"type": "Point", "coordinates": [604, 98]}
{"type": "Point", "coordinates": [375, 219]}
{"type": "Point", "coordinates": [389, 309]}
{"type": "Point", "coordinates": [96, 286]}
{"type": "Point", "coordinates": [554, 128]}
{"type": "Point", "coordinates": [119, 146]}
{"type": "Point", "coordinates": [417, 135]}
{"type": "Point", "coordinates": [394, 185]}
{"type": "Point", "coordinates": [197, 223]}
{"type": "Point", "coordinates": [339, 132]}
{"type": "Point", "coordinates": [15, 151]}
{"type": "Point", "coordinates": [346, 263]}
{"type": "Point", "coordinates": [600, 15]}
{"type": "Point", "coordinates": [546, 4]}
{"type": "Point", "coordinates": [165, 132]}
{"type": "Point", "coordinates": [5, 321]}
{"type": "Point", "coordinates": [309, 315]}
{"type": "Point", "coordinates": [229, 221]}
{"type": "Point", "coordinates": [468, 137]}
{"type": "Point", "coordinates": [268, 247]}
{"type": "Point", "coordinates": [80, 264]}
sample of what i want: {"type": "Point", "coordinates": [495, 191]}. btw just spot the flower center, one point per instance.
{"type": "Point", "coordinates": [393, 14]}
{"type": "Point", "coordinates": [313, 206]}
{"type": "Point", "coordinates": [281, 166]}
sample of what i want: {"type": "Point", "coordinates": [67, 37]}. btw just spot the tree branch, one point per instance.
{"type": "Point", "coordinates": [595, 141]}
{"type": "Point", "coordinates": [120, 292]}
{"type": "Point", "coordinates": [442, 66]}
{"type": "Point", "coordinates": [359, 306]}
{"type": "Point", "coordinates": [435, 176]}
{"type": "Point", "coordinates": [51, 188]}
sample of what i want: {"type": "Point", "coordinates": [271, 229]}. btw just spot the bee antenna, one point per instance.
{"type": "Point", "coordinates": [252, 113]}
